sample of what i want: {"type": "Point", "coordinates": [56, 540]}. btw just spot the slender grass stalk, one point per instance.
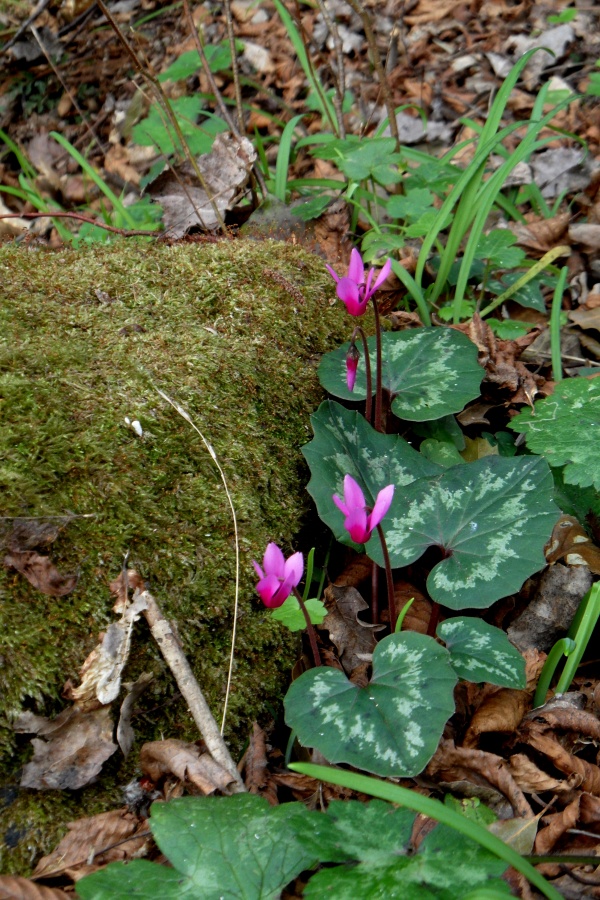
{"type": "Point", "coordinates": [546, 260]}
{"type": "Point", "coordinates": [432, 808]}
{"type": "Point", "coordinates": [283, 158]}
{"type": "Point", "coordinates": [580, 631]}
{"type": "Point", "coordinates": [413, 289]}
{"type": "Point", "coordinates": [555, 324]}
{"type": "Point", "coordinates": [236, 602]}
{"type": "Point", "coordinates": [563, 647]}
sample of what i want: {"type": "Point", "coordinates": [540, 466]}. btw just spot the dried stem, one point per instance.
{"type": "Point", "coordinates": [80, 218]}
{"type": "Point", "coordinates": [166, 106]}
{"type": "Point", "coordinates": [234, 65]}
{"type": "Point", "coordinates": [340, 75]}
{"type": "Point", "coordinates": [376, 58]}
{"type": "Point", "coordinates": [189, 687]}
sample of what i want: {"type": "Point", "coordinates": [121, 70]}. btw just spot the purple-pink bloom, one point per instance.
{"type": "Point", "coordinates": [358, 522]}
{"type": "Point", "coordinates": [353, 289]}
{"type": "Point", "coordinates": [280, 576]}
{"type": "Point", "coordinates": [352, 358]}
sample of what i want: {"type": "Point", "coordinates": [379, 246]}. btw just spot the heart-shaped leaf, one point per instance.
{"type": "Point", "coordinates": [290, 614]}
{"type": "Point", "coordinates": [480, 652]}
{"type": "Point", "coordinates": [390, 727]}
{"type": "Point", "coordinates": [430, 372]}
{"type": "Point", "coordinates": [236, 847]}
{"type": "Point", "coordinates": [565, 429]}
{"type": "Point", "coordinates": [490, 518]}
{"type": "Point", "coordinates": [345, 444]}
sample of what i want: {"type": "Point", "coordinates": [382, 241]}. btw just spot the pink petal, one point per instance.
{"type": "Point", "coordinates": [353, 495]}
{"type": "Point", "coordinates": [385, 271]}
{"type": "Point", "coordinates": [347, 290]}
{"type": "Point", "coordinates": [294, 567]}
{"type": "Point", "coordinates": [357, 307]}
{"type": "Point", "coordinates": [382, 504]}
{"type": "Point", "coordinates": [341, 505]}
{"type": "Point", "coordinates": [357, 527]}
{"type": "Point", "coordinates": [356, 269]}
{"type": "Point", "coordinates": [267, 588]}
{"type": "Point", "coordinates": [333, 273]}
{"type": "Point", "coordinates": [351, 367]}
{"type": "Point", "coordinates": [259, 571]}
{"type": "Point", "coordinates": [274, 561]}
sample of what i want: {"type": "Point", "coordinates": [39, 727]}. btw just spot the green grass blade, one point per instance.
{"type": "Point", "coordinates": [413, 289]}
{"type": "Point", "coordinates": [117, 204]}
{"type": "Point", "coordinates": [428, 806]}
{"type": "Point", "coordinates": [555, 324]}
{"type": "Point", "coordinates": [283, 158]}
{"type": "Point", "coordinates": [26, 166]}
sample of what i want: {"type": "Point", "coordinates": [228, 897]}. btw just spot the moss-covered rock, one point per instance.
{"type": "Point", "coordinates": [86, 337]}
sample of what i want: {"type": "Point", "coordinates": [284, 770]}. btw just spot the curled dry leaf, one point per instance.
{"type": "Point", "coordinates": [532, 780]}
{"type": "Point", "coordinates": [70, 750]}
{"type": "Point", "coordinates": [112, 836]}
{"type": "Point", "coordinates": [186, 762]}
{"type": "Point", "coordinates": [542, 234]}
{"type": "Point", "coordinates": [558, 824]}
{"type": "Point", "coordinates": [451, 763]}
{"type": "Point", "coordinates": [12, 887]}
{"type": "Point", "coordinates": [225, 171]}
{"type": "Point", "coordinates": [101, 672]}
{"type": "Point", "coordinates": [571, 542]}
{"type": "Point", "coordinates": [546, 743]}
{"type": "Point", "coordinates": [125, 733]}
{"type": "Point", "coordinates": [552, 609]}
{"type": "Point", "coordinates": [501, 710]}
{"type": "Point", "coordinates": [257, 773]}
{"type": "Point", "coordinates": [40, 572]}
{"type": "Point", "coordinates": [353, 639]}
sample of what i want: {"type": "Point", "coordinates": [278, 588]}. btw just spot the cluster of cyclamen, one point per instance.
{"type": "Point", "coordinates": [279, 577]}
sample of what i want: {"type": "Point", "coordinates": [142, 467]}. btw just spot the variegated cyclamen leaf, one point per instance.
{"type": "Point", "coordinates": [390, 727]}
{"type": "Point", "coordinates": [565, 429]}
{"type": "Point", "coordinates": [430, 372]}
{"type": "Point", "coordinates": [345, 444]}
{"type": "Point", "coordinates": [481, 652]}
{"type": "Point", "coordinates": [490, 518]}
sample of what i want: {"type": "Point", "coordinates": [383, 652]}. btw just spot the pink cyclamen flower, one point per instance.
{"type": "Point", "coordinates": [353, 289]}
{"type": "Point", "coordinates": [280, 576]}
{"type": "Point", "coordinates": [358, 523]}
{"type": "Point", "coordinates": [352, 358]}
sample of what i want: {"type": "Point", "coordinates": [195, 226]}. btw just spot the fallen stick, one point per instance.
{"type": "Point", "coordinates": [189, 687]}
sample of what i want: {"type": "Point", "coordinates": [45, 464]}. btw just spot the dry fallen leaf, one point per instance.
{"type": "Point", "coordinates": [354, 640]}
{"type": "Point", "coordinates": [40, 572]}
{"type": "Point", "coordinates": [125, 733]}
{"type": "Point", "coordinates": [501, 710]}
{"type": "Point", "coordinates": [186, 762]}
{"type": "Point", "coordinates": [12, 887]}
{"type": "Point", "coordinates": [70, 750]}
{"type": "Point", "coordinates": [571, 542]}
{"type": "Point", "coordinates": [108, 837]}
{"type": "Point", "coordinates": [533, 780]}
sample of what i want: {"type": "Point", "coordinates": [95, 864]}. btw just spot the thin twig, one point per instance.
{"type": "Point", "coordinates": [189, 687]}
{"type": "Point", "coordinates": [234, 65]}
{"type": "Point", "coordinates": [80, 218]}
{"type": "Point", "coordinates": [376, 58]}
{"type": "Point", "coordinates": [166, 106]}
{"type": "Point", "coordinates": [39, 9]}
{"type": "Point", "coordinates": [340, 75]}
{"type": "Point", "coordinates": [185, 415]}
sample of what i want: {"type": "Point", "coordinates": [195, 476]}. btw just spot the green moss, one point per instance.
{"type": "Point", "coordinates": [214, 329]}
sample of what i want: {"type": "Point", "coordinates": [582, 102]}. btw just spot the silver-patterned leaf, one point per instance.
{"type": "Point", "coordinates": [490, 519]}
{"type": "Point", "coordinates": [481, 652]}
{"type": "Point", "coordinates": [430, 372]}
{"type": "Point", "coordinates": [390, 727]}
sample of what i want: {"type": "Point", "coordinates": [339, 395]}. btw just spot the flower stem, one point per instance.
{"type": "Point", "coordinates": [377, 424]}
{"type": "Point", "coordinates": [359, 331]}
{"type": "Point", "coordinates": [375, 594]}
{"type": "Point", "coordinates": [310, 628]}
{"type": "Point", "coordinates": [434, 618]}
{"type": "Point", "coordinates": [389, 579]}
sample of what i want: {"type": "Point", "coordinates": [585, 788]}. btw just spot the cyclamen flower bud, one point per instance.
{"type": "Point", "coordinates": [352, 359]}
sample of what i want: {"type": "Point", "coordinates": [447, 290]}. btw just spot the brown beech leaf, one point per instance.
{"type": "Point", "coordinates": [533, 780]}
{"type": "Point", "coordinates": [112, 836]}
{"type": "Point", "coordinates": [40, 572]}
{"type": "Point", "coordinates": [354, 640]}
{"type": "Point", "coordinates": [501, 710]}
{"type": "Point", "coordinates": [451, 763]}
{"type": "Point", "coordinates": [419, 613]}
{"type": "Point", "coordinates": [542, 234]}
{"type": "Point", "coordinates": [548, 745]}
{"type": "Point", "coordinates": [12, 887]}
{"type": "Point", "coordinates": [357, 571]}
{"type": "Point", "coordinates": [101, 672]}
{"type": "Point", "coordinates": [558, 824]}
{"type": "Point", "coordinates": [571, 542]}
{"type": "Point", "coordinates": [70, 750]}
{"type": "Point", "coordinates": [258, 780]}
{"type": "Point", "coordinates": [186, 762]}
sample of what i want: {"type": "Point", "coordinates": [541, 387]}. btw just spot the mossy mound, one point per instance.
{"type": "Point", "coordinates": [85, 338]}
